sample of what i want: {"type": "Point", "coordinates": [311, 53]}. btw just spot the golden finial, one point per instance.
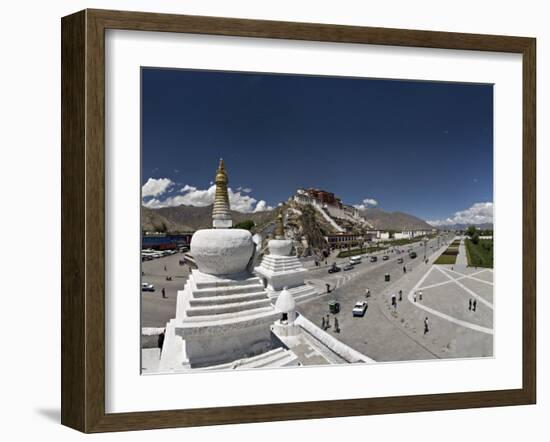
{"type": "Point", "coordinates": [221, 214]}
{"type": "Point", "coordinates": [279, 226]}
{"type": "Point", "coordinates": [221, 174]}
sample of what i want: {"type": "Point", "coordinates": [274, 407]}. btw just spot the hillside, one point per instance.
{"type": "Point", "coordinates": [383, 220]}
{"type": "Point", "coordinates": [191, 218]}
{"type": "Point", "coordinates": [152, 221]}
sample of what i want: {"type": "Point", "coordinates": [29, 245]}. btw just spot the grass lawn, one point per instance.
{"type": "Point", "coordinates": [446, 259]}
{"type": "Point", "coordinates": [480, 254]}
{"type": "Point", "coordinates": [355, 252]}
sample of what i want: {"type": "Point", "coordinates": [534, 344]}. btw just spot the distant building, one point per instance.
{"type": "Point", "coordinates": [165, 241]}
{"type": "Point", "coordinates": [345, 240]}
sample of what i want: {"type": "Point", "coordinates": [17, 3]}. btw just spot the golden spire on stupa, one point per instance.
{"type": "Point", "coordinates": [221, 214]}
{"type": "Point", "coordinates": [279, 226]}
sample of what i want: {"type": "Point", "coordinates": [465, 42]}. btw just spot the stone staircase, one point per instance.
{"type": "Point", "coordinates": [276, 358]}
{"type": "Point", "coordinates": [208, 299]}
{"type": "Point", "coordinates": [328, 218]}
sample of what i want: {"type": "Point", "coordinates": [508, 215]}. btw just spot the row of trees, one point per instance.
{"type": "Point", "coordinates": [474, 233]}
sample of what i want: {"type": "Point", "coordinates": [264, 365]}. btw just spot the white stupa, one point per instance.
{"type": "Point", "coordinates": [224, 313]}
{"type": "Point", "coordinates": [286, 306]}
{"type": "Point", "coordinates": [280, 269]}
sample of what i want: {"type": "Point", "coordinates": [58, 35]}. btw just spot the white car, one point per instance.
{"type": "Point", "coordinates": [147, 287]}
{"type": "Point", "coordinates": [360, 308]}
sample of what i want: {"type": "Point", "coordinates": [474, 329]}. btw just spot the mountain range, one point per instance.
{"type": "Point", "coordinates": [382, 220]}
{"type": "Point", "coordinates": [482, 226]}
{"type": "Point", "coordinates": [190, 218]}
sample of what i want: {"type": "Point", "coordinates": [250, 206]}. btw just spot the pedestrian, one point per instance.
{"type": "Point", "coordinates": [326, 262]}
{"type": "Point", "coordinates": [414, 297]}
{"type": "Point", "coordinates": [426, 328]}
{"type": "Point", "coordinates": [393, 300]}
{"type": "Point", "coordinates": [404, 269]}
{"type": "Point", "coordinates": [336, 326]}
{"type": "Point", "coordinates": [328, 321]}
{"type": "Point", "coordinates": [328, 288]}
{"type": "Point", "coordinates": [452, 267]}
{"type": "Point", "coordinates": [420, 295]}
{"type": "Point", "coordinates": [474, 305]}
{"type": "Point", "coordinates": [163, 292]}
{"type": "Point", "coordinates": [165, 268]}
{"type": "Point", "coordinates": [470, 304]}
{"type": "Point", "coordinates": [323, 324]}
{"type": "Point", "coordinates": [401, 295]}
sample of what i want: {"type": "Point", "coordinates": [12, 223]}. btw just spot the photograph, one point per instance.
{"type": "Point", "coordinates": [292, 220]}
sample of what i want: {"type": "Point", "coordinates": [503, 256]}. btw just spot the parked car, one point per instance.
{"type": "Point", "coordinates": [373, 258]}
{"type": "Point", "coordinates": [359, 308]}
{"type": "Point", "coordinates": [412, 255]}
{"type": "Point", "coordinates": [400, 261]}
{"type": "Point", "coordinates": [348, 266]}
{"type": "Point", "coordinates": [334, 269]}
{"type": "Point", "coordinates": [355, 260]}
{"type": "Point", "coordinates": [147, 287]}
{"type": "Point", "coordinates": [385, 258]}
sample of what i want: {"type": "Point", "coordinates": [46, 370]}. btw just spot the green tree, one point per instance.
{"type": "Point", "coordinates": [471, 231]}
{"type": "Point", "coordinates": [475, 238]}
{"type": "Point", "coordinates": [247, 224]}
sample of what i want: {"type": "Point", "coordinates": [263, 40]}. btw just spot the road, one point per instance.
{"type": "Point", "coordinates": [155, 310]}
{"type": "Point", "coordinates": [385, 334]}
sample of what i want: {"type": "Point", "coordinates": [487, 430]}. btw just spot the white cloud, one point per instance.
{"type": "Point", "coordinates": [155, 187]}
{"type": "Point", "coordinates": [192, 196]}
{"type": "Point", "coordinates": [366, 203]}
{"type": "Point", "coordinates": [261, 206]}
{"type": "Point", "coordinates": [479, 213]}
{"type": "Point", "coordinates": [244, 189]}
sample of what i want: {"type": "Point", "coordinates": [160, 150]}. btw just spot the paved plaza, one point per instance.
{"type": "Point", "coordinates": [396, 333]}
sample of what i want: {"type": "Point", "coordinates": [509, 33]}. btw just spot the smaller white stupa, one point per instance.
{"type": "Point", "coordinates": [280, 269]}
{"type": "Point", "coordinates": [286, 306]}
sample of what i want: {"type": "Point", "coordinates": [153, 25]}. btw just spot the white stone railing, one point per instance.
{"type": "Point", "coordinates": [341, 349]}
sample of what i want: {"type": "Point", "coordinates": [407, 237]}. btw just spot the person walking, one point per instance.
{"type": "Point", "coordinates": [401, 295]}
{"type": "Point", "coordinates": [404, 269]}
{"type": "Point", "coordinates": [470, 304]}
{"type": "Point", "coordinates": [414, 297]}
{"type": "Point", "coordinates": [336, 326]}
{"type": "Point", "coordinates": [328, 321]}
{"type": "Point", "coordinates": [474, 305]}
{"type": "Point", "coordinates": [426, 328]}
{"type": "Point", "coordinates": [328, 288]}
{"type": "Point", "coordinates": [163, 292]}
{"type": "Point", "coordinates": [420, 295]}
{"type": "Point", "coordinates": [323, 327]}
{"type": "Point", "coordinates": [393, 300]}
{"type": "Point", "coordinates": [165, 268]}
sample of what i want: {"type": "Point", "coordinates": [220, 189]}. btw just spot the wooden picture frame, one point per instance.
{"type": "Point", "coordinates": [83, 220]}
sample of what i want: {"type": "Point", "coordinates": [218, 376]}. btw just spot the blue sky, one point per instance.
{"type": "Point", "coordinates": [425, 148]}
